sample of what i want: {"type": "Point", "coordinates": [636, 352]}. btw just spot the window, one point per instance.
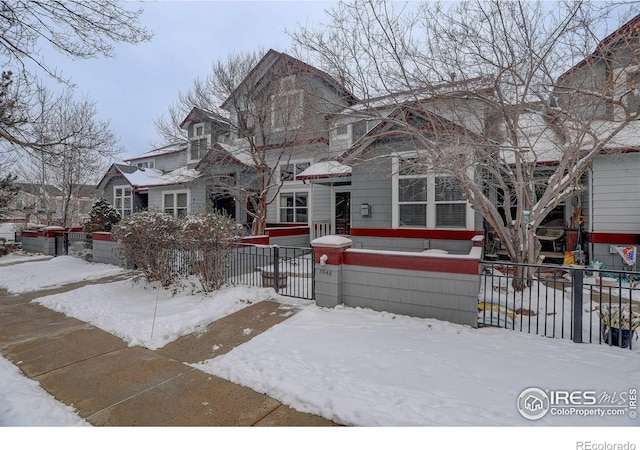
{"type": "Point", "coordinates": [294, 207]}
{"type": "Point", "coordinates": [287, 106]}
{"type": "Point", "coordinates": [198, 148]}
{"type": "Point", "coordinates": [289, 171]}
{"type": "Point", "coordinates": [176, 203]}
{"type": "Point", "coordinates": [342, 130]}
{"type": "Point", "coordinates": [146, 164]}
{"type": "Point", "coordinates": [426, 200]}
{"type": "Point", "coordinates": [122, 199]}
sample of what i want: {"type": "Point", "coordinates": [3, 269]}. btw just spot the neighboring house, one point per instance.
{"type": "Point", "coordinates": [612, 208]}
{"type": "Point", "coordinates": [159, 179]}
{"type": "Point", "coordinates": [43, 204]}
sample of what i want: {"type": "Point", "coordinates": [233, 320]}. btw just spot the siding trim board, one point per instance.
{"type": "Point", "coordinates": [419, 262]}
{"type": "Point", "coordinates": [462, 235]}
{"type": "Point", "coordinates": [614, 238]}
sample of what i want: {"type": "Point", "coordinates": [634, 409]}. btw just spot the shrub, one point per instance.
{"type": "Point", "coordinates": [146, 239]}
{"type": "Point", "coordinates": [209, 237]}
{"type": "Point", "coordinates": [102, 217]}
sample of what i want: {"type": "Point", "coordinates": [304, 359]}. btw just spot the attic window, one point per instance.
{"type": "Point", "coordinates": [287, 105]}
{"type": "Point", "coordinates": [342, 130]}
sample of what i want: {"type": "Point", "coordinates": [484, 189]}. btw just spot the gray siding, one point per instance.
{"type": "Point", "coordinates": [171, 161]}
{"type": "Point", "coordinates": [616, 194]}
{"type": "Point", "coordinates": [371, 183]}
{"type": "Point", "coordinates": [301, 240]}
{"type": "Point", "coordinates": [321, 202]}
{"type": "Point", "coordinates": [454, 247]}
{"type": "Point", "coordinates": [106, 252]}
{"type": "Point", "coordinates": [444, 296]}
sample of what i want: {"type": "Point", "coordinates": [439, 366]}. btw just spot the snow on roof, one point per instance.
{"type": "Point", "coordinates": [155, 177]}
{"type": "Point", "coordinates": [325, 169]}
{"type": "Point", "coordinates": [544, 144]}
{"type": "Point", "coordinates": [240, 152]}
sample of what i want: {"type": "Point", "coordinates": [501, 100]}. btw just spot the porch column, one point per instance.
{"type": "Point", "coordinates": [328, 252]}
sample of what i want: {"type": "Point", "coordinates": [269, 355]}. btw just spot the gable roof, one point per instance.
{"type": "Point", "coordinates": [140, 178]}
{"type": "Point", "coordinates": [37, 188]}
{"type": "Point", "coordinates": [272, 59]}
{"type": "Point", "coordinates": [631, 28]}
{"type": "Point", "coordinates": [201, 115]}
{"type": "Point", "coordinates": [238, 153]}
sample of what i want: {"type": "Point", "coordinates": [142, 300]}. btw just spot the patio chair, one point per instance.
{"type": "Point", "coordinates": [551, 232]}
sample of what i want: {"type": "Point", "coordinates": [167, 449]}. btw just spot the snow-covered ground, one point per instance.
{"type": "Point", "coordinates": [360, 367]}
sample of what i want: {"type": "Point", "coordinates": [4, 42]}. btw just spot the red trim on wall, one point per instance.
{"type": "Point", "coordinates": [29, 234]}
{"type": "Point", "coordinates": [256, 240]}
{"type": "Point", "coordinates": [409, 262]}
{"type": "Point", "coordinates": [102, 236]}
{"type": "Point", "coordinates": [614, 238]}
{"type": "Point", "coordinates": [287, 231]}
{"type": "Point", "coordinates": [459, 235]}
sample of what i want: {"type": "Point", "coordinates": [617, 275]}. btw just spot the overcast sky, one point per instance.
{"type": "Point", "coordinates": [136, 87]}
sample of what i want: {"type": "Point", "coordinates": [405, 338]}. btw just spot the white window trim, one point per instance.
{"type": "Point", "coordinates": [303, 190]}
{"type": "Point", "coordinates": [431, 203]}
{"type": "Point", "coordinates": [196, 138]}
{"type": "Point", "coordinates": [175, 194]}
{"type": "Point", "coordinates": [295, 174]}
{"type": "Point", "coordinates": [122, 209]}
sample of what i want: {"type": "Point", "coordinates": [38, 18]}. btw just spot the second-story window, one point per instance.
{"type": "Point", "coordinates": [287, 106]}
{"type": "Point", "coordinates": [199, 144]}
{"type": "Point", "coordinates": [289, 171]}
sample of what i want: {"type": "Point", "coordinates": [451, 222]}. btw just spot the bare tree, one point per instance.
{"type": "Point", "coordinates": [76, 29]}
{"type": "Point", "coordinates": [85, 146]}
{"type": "Point", "coordinates": [481, 83]}
{"type": "Point", "coordinates": [265, 123]}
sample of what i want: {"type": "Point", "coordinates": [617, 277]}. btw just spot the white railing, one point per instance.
{"type": "Point", "coordinates": [320, 228]}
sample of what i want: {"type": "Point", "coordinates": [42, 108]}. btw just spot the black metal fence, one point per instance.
{"type": "Point", "coordinates": [582, 304]}
{"type": "Point", "coordinates": [289, 270]}
{"type": "Point", "coordinates": [76, 243]}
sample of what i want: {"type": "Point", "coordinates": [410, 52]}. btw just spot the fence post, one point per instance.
{"type": "Point", "coordinates": [276, 268]}
{"type": "Point", "coordinates": [577, 281]}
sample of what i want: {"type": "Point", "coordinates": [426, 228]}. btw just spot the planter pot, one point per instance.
{"type": "Point", "coordinates": [619, 337]}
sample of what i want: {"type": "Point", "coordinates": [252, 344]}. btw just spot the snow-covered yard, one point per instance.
{"type": "Point", "coordinates": [353, 366]}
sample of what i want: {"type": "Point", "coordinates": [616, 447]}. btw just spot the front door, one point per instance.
{"type": "Point", "coordinates": [342, 213]}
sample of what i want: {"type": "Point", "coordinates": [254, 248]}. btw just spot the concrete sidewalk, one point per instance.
{"type": "Point", "coordinates": [109, 383]}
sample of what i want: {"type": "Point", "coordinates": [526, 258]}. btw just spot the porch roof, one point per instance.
{"type": "Point", "coordinates": [145, 178]}
{"type": "Point", "coordinates": [325, 169]}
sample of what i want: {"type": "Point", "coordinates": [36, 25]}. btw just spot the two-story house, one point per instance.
{"type": "Point", "coordinates": [245, 165]}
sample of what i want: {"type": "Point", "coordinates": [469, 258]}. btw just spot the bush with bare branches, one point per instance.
{"type": "Point", "coordinates": [209, 237]}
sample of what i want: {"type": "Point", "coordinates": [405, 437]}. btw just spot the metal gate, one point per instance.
{"type": "Point", "coordinates": [78, 244]}
{"type": "Point", "coordinates": [289, 270]}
